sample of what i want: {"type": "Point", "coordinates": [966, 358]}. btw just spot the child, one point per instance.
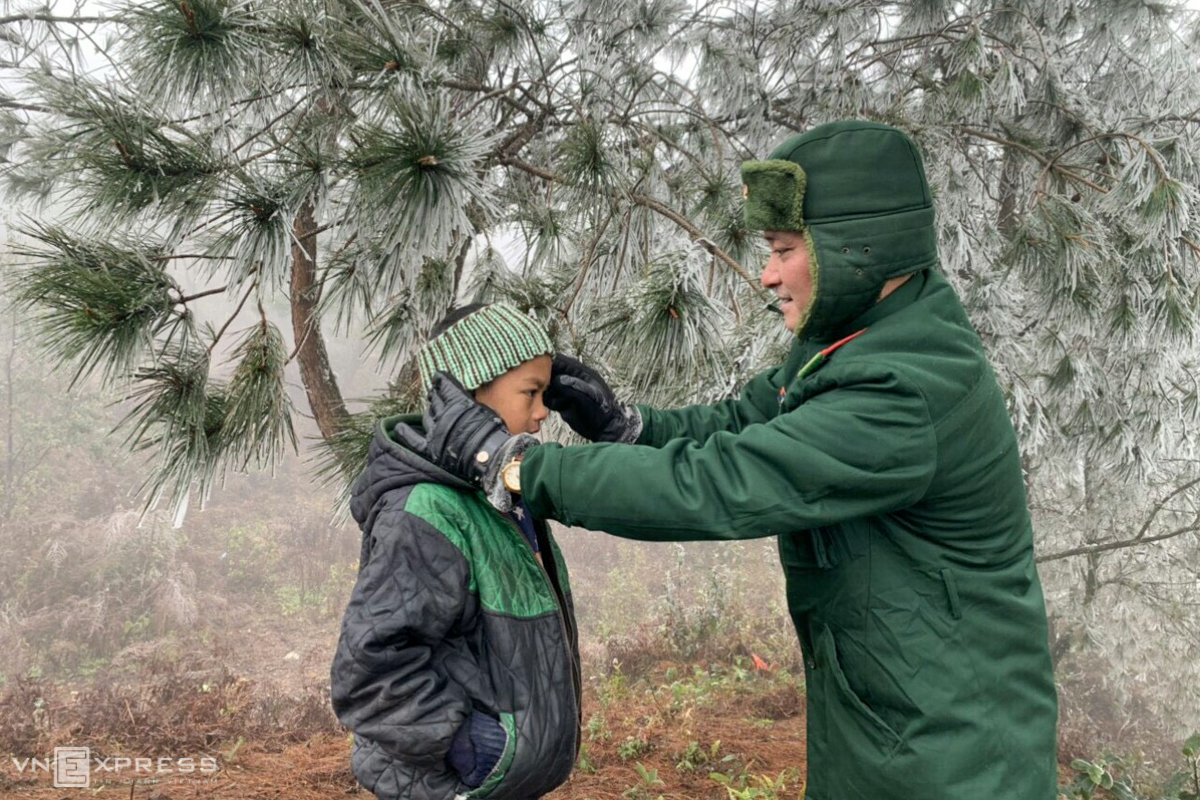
{"type": "Point", "coordinates": [457, 668]}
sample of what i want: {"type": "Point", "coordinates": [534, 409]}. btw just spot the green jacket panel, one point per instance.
{"type": "Point", "coordinates": [892, 479]}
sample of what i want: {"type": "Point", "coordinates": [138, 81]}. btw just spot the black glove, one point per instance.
{"type": "Point", "coordinates": [461, 435]}
{"type": "Point", "coordinates": [465, 438]}
{"type": "Point", "coordinates": [588, 405]}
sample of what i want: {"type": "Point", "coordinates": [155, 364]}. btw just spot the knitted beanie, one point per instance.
{"type": "Point", "coordinates": [482, 346]}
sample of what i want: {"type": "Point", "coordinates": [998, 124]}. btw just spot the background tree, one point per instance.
{"type": "Point", "coordinates": [376, 162]}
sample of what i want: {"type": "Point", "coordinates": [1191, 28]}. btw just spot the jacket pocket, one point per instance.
{"type": "Point", "coordinates": [807, 550]}
{"type": "Point", "coordinates": [850, 722]}
{"type": "Point", "coordinates": [500, 771]}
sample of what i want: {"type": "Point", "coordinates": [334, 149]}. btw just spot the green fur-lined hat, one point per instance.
{"type": "Point", "coordinates": [482, 345]}
{"type": "Point", "coordinates": [857, 191]}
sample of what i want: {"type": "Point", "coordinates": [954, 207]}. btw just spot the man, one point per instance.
{"type": "Point", "coordinates": [882, 457]}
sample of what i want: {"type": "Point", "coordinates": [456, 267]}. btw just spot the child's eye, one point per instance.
{"type": "Point", "coordinates": [783, 251]}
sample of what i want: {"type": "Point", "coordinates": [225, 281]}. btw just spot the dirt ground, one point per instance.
{"type": "Point", "coordinates": [749, 730]}
{"type": "Point", "coordinates": [319, 769]}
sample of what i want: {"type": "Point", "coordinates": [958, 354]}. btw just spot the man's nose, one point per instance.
{"type": "Point", "coordinates": [769, 277]}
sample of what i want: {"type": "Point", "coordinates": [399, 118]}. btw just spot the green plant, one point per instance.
{"type": "Point", "coordinates": [89, 666]}
{"type": "Point", "coordinates": [136, 629]}
{"type": "Point", "coordinates": [613, 688]}
{"type": "Point", "coordinates": [1092, 778]}
{"type": "Point", "coordinates": [1191, 754]}
{"type": "Point", "coordinates": [293, 600]}
{"type": "Point", "coordinates": [756, 787]}
{"type": "Point", "coordinates": [647, 781]}
{"type": "Point", "coordinates": [230, 755]}
{"type": "Point", "coordinates": [251, 558]}
{"type": "Point", "coordinates": [689, 624]}
{"type": "Point", "coordinates": [1103, 779]}
{"type": "Point", "coordinates": [649, 777]}
{"type": "Point", "coordinates": [584, 762]}
{"type": "Point", "coordinates": [694, 757]}
{"type": "Point", "coordinates": [597, 728]}
{"type": "Point", "coordinates": [633, 747]}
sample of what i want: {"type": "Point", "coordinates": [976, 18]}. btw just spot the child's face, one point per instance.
{"type": "Point", "coordinates": [517, 395]}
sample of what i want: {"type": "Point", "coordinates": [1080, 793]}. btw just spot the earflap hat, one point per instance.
{"type": "Point", "coordinates": [858, 193]}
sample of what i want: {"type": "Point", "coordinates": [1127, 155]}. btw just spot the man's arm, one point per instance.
{"type": "Point", "coordinates": [863, 446]}
{"type": "Point", "coordinates": [590, 407]}
{"type": "Point", "coordinates": [757, 403]}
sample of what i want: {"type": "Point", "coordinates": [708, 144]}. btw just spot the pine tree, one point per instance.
{"type": "Point", "coordinates": [373, 162]}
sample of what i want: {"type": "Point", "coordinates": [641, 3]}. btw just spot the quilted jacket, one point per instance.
{"type": "Point", "coordinates": [451, 613]}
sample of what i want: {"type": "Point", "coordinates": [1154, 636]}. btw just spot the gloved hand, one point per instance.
{"type": "Point", "coordinates": [465, 438]}
{"type": "Point", "coordinates": [588, 405]}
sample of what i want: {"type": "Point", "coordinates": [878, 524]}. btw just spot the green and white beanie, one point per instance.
{"type": "Point", "coordinates": [482, 346]}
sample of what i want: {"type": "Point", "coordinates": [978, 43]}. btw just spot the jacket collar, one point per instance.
{"type": "Point", "coordinates": [898, 300]}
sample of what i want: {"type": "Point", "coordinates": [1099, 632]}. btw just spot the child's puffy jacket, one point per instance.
{"type": "Point", "coordinates": [452, 614]}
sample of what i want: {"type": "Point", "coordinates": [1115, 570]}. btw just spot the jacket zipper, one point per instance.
{"type": "Point", "coordinates": [561, 601]}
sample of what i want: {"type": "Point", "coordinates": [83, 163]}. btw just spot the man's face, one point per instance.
{"type": "Point", "coordinates": [517, 395]}
{"type": "Point", "coordinates": [787, 274]}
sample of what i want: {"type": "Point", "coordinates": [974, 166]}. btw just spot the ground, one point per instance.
{"type": "Point", "coordinates": [255, 697]}
{"type": "Point", "coordinates": [319, 768]}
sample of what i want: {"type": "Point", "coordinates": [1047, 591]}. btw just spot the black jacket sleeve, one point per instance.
{"type": "Point", "coordinates": [410, 593]}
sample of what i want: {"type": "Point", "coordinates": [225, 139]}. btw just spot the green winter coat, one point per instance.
{"type": "Point", "coordinates": [891, 476]}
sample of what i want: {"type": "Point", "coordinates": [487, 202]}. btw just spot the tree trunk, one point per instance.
{"type": "Point", "coordinates": [320, 384]}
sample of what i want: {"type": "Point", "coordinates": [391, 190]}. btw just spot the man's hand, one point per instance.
{"type": "Point", "coordinates": [465, 438]}
{"type": "Point", "coordinates": [588, 405]}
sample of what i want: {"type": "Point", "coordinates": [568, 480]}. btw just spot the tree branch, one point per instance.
{"type": "Point", "coordinates": [1124, 544]}
{"type": "Point", "coordinates": [1041, 159]}
{"type": "Point", "coordinates": [1140, 538]}
{"type": "Point", "coordinates": [1162, 504]}
{"type": "Point", "coordinates": [200, 256]}
{"type": "Point", "coordinates": [6, 103]}
{"type": "Point", "coordinates": [232, 317]}
{"type": "Point", "coordinates": [657, 207]}
{"type": "Point", "coordinates": [50, 18]}
{"type": "Point", "coordinates": [190, 297]}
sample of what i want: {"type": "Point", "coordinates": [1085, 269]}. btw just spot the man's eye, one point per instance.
{"type": "Point", "coordinates": [783, 252]}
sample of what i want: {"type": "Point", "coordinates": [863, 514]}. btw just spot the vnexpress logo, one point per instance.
{"type": "Point", "coordinates": [72, 767]}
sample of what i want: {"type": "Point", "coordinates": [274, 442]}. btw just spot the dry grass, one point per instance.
{"type": "Point", "coordinates": [316, 766]}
